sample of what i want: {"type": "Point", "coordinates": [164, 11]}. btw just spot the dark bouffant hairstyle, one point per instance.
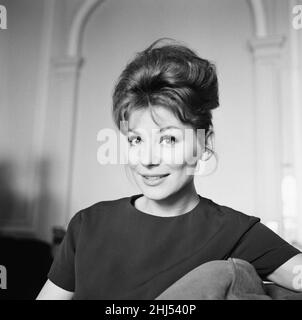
{"type": "Point", "coordinates": [169, 74]}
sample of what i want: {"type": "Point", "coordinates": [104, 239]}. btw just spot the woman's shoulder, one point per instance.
{"type": "Point", "coordinates": [102, 209]}
{"type": "Point", "coordinates": [105, 205]}
{"type": "Point", "coordinates": [229, 213]}
{"type": "Point", "coordinates": [110, 203]}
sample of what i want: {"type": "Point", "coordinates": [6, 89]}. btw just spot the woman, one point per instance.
{"type": "Point", "coordinates": [136, 247]}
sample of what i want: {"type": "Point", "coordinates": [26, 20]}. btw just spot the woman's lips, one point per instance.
{"type": "Point", "coordinates": [154, 176]}
{"type": "Point", "coordinates": [153, 180]}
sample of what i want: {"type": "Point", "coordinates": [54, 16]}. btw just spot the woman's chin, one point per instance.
{"type": "Point", "coordinates": [155, 193]}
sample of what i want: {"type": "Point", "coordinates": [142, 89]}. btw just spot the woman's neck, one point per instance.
{"type": "Point", "coordinates": [178, 203]}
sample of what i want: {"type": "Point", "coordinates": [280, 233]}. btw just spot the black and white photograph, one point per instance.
{"type": "Point", "coordinates": [151, 150]}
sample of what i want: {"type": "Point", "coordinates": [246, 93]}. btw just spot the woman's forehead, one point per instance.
{"type": "Point", "coordinates": [163, 117]}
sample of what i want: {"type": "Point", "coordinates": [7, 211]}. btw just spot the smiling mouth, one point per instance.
{"type": "Point", "coordinates": [154, 177]}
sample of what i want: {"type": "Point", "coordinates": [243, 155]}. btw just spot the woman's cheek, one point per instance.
{"type": "Point", "coordinates": [190, 159]}
{"type": "Point", "coordinates": [192, 153]}
{"type": "Point", "coordinates": [173, 156]}
{"type": "Point", "coordinates": [133, 157]}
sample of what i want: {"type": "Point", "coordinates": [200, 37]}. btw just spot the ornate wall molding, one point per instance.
{"type": "Point", "coordinates": [259, 16]}
{"type": "Point", "coordinates": [268, 47]}
{"type": "Point", "coordinates": [68, 69]}
{"type": "Point", "coordinates": [267, 53]}
{"type": "Point", "coordinates": [78, 26]}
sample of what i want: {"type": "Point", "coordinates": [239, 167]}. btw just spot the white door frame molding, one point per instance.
{"type": "Point", "coordinates": [67, 71]}
{"type": "Point", "coordinates": [260, 19]}
{"type": "Point", "coordinates": [78, 26]}
{"type": "Point", "coordinates": [267, 51]}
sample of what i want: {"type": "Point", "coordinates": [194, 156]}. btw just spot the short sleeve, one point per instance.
{"type": "Point", "coordinates": [264, 249]}
{"type": "Point", "coordinates": [62, 271]}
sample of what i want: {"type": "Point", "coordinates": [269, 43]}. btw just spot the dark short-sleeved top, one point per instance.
{"type": "Point", "coordinates": [112, 250]}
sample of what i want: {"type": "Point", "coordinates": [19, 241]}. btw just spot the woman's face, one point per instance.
{"type": "Point", "coordinates": [162, 156]}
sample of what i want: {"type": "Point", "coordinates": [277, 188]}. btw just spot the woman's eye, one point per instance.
{"type": "Point", "coordinates": [134, 140]}
{"type": "Point", "coordinates": [168, 139]}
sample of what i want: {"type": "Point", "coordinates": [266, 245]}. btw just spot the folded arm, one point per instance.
{"type": "Point", "coordinates": [289, 274]}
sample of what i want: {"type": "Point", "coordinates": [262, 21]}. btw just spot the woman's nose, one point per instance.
{"type": "Point", "coordinates": [150, 155]}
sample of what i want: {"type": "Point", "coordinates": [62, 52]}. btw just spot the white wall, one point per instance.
{"type": "Point", "coordinates": [37, 33]}
{"type": "Point", "coordinates": [19, 57]}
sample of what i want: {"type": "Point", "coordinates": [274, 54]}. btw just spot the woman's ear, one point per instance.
{"type": "Point", "coordinates": [206, 154]}
{"type": "Point", "coordinates": [200, 167]}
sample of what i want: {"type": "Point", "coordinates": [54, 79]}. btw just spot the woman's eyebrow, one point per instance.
{"type": "Point", "coordinates": [169, 127]}
{"type": "Point", "coordinates": [133, 130]}
{"type": "Point", "coordinates": [161, 129]}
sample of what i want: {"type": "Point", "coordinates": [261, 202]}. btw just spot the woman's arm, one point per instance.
{"type": "Point", "coordinates": [50, 291]}
{"type": "Point", "coordinates": [289, 274]}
